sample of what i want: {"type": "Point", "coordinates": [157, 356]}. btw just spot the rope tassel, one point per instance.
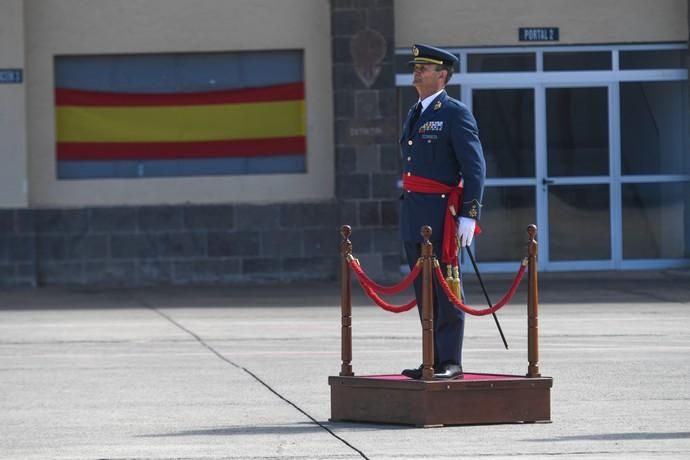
{"type": "Point", "coordinates": [457, 283]}
{"type": "Point", "coordinates": [449, 277]}
{"type": "Point", "coordinates": [473, 311]}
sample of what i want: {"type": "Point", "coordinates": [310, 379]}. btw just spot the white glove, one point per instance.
{"type": "Point", "coordinates": [466, 231]}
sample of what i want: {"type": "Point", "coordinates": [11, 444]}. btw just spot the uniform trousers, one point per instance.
{"type": "Point", "coordinates": [449, 322]}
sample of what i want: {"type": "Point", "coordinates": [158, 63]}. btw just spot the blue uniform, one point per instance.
{"type": "Point", "coordinates": [443, 145]}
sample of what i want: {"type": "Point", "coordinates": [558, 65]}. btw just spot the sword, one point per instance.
{"type": "Point", "coordinates": [486, 294]}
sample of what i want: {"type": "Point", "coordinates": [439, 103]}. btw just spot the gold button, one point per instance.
{"type": "Point", "coordinates": [409, 158]}
{"type": "Point", "coordinates": [409, 142]}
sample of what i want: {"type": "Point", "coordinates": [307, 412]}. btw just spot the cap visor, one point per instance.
{"type": "Point", "coordinates": [421, 60]}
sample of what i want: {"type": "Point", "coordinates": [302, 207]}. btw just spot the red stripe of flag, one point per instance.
{"type": "Point", "coordinates": [77, 97]}
{"type": "Point", "coordinates": [99, 151]}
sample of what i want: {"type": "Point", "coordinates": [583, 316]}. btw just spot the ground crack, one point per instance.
{"type": "Point", "coordinates": [253, 375]}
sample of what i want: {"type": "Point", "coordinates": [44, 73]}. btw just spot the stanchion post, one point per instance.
{"type": "Point", "coordinates": [427, 305]}
{"type": "Point", "coordinates": [532, 305]}
{"type": "Point", "coordinates": [346, 303]}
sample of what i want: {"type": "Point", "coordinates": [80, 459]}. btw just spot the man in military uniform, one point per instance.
{"type": "Point", "coordinates": [443, 182]}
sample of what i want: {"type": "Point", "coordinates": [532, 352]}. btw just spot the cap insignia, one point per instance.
{"type": "Point", "coordinates": [415, 51]}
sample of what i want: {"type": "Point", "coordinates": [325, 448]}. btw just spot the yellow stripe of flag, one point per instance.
{"type": "Point", "coordinates": [180, 123]}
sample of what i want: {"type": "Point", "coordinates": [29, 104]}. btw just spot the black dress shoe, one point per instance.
{"type": "Point", "coordinates": [449, 371]}
{"type": "Point", "coordinates": [413, 373]}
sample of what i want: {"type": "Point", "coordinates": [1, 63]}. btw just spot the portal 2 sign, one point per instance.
{"type": "Point", "coordinates": [538, 34]}
{"type": "Point", "coordinates": [11, 76]}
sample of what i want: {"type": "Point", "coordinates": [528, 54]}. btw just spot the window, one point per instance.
{"type": "Point", "coordinates": [577, 130]}
{"type": "Point", "coordinates": [585, 60]}
{"type": "Point", "coordinates": [503, 62]}
{"type": "Point", "coordinates": [181, 114]}
{"type": "Point", "coordinates": [569, 207]}
{"type": "Point", "coordinates": [654, 127]}
{"type": "Point", "coordinates": [653, 59]}
{"type": "Point", "coordinates": [505, 118]}
{"type": "Point", "coordinates": [655, 220]}
{"type": "Point", "coordinates": [504, 213]}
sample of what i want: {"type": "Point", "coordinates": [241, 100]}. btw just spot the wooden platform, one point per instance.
{"type": "Point", "coordinates": [476, 399]}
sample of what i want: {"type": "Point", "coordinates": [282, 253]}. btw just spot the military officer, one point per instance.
{"type": "Point", "coordinates": [443, 182]}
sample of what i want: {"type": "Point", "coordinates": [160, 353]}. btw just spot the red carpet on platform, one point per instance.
{"type": "Point", "coordinates": [467, 376]}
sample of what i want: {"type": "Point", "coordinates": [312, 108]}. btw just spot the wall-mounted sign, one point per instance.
{"type": "Point", "coordinates": [10, 76]}
{"type": "Point", "coordinates": [538, 34]}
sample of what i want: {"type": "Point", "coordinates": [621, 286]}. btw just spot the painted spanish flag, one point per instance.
{"type": "Point", "coordinates": [93, 125]}
{"type": "Point", "coordinates": [174, 115]}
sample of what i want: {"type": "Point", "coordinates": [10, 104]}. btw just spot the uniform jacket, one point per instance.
{"type": "Point", "coordinates": [444, 146]}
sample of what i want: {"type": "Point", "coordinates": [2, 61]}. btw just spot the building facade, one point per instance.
{"type": "Point", "coordinates": [210, 142]}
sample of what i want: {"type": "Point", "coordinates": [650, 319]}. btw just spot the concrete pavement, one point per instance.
{"type": "Point", "coordinates": [241, 372]}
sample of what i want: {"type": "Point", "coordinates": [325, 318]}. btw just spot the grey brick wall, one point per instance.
{"type": "Point", "coordinates": [168, 244]}
{"type": "Point", "coordinates": [17, 248]}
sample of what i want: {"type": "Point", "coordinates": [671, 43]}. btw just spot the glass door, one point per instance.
{"type": "Point", "coordinates": [547, 150]}
{"type": "Point", "coordinates": [575, 183]}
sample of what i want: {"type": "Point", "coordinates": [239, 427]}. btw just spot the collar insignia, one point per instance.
{"type": "Point", "coordinates": [437, 105]}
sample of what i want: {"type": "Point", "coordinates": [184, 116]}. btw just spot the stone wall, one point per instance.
{"type": "Point", "coordinates": [168, 244]}
{"type": "Point", "coordinates": [366, 130]}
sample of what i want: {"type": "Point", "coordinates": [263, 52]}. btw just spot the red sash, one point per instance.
{"type": "Point", "coordinates": [449, 254]}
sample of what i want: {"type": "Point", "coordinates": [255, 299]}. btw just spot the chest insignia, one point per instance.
{"type": "Point", "coordinates": [431, 126]}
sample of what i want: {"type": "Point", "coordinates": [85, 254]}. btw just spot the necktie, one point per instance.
{"type": "Point", "coordinates": [415, 117]}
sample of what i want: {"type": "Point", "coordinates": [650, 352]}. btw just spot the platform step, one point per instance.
{"type": "Point", "coordinates": [478, 398]}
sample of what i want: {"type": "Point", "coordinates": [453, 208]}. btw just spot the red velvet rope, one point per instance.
{"type": "Point", "coordinates": [370, 287]}
{"type": "Point", "coordinates": [473, 311]}
{"type": "Point", "coordinates": [387, 306]}
{"type": "Point", "coordinates": [404, 284]}
{"type": "Point", "coordinates": [364, 281]}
